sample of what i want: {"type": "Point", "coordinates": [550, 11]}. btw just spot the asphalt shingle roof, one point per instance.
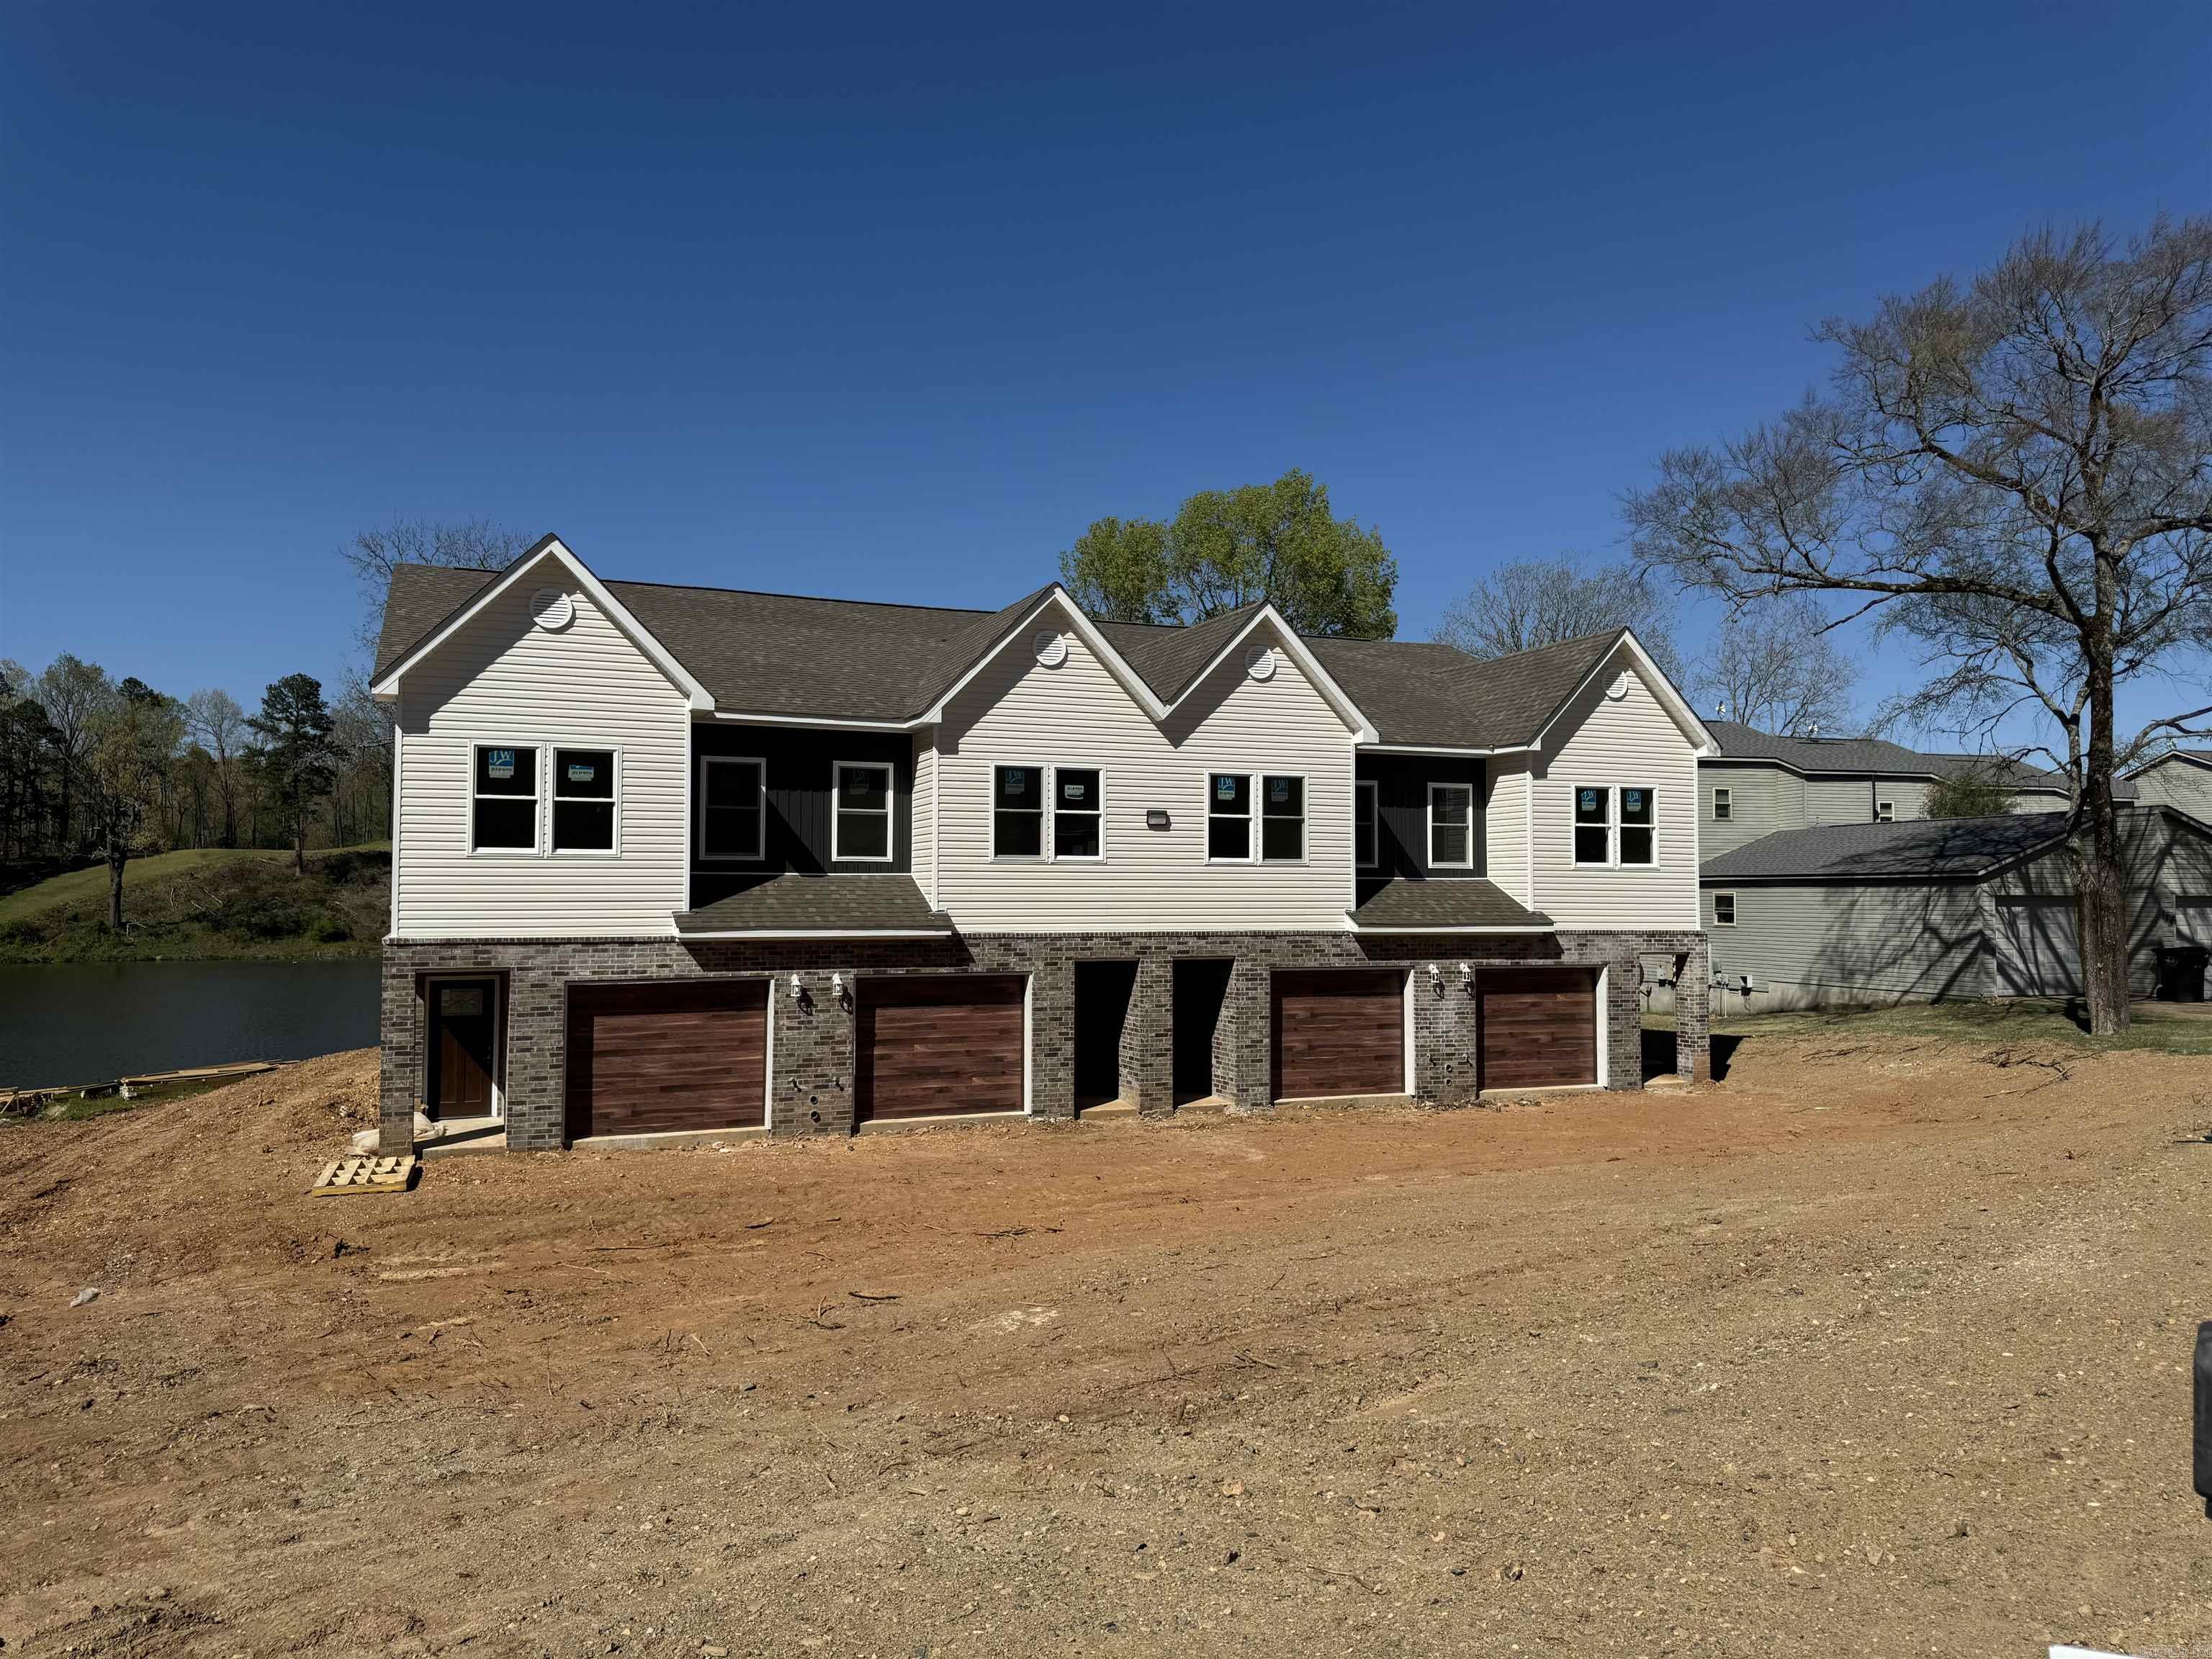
{"type": "Point", "coordinates": [779, 654]}
{"type": "Point", "coordinates": [1858, 755]}
{"type": "Point", "coordinates": [806, 903]}
{"type": "Point", "coordinates": [1929, 849]}
{"type": "Point", "coordinates": [1457, 902]}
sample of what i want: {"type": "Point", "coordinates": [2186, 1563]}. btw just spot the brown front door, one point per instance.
{"type": "Point", "coordinates": [1538, 1027]}
{"type": "Point", "coordinates": [667, 1054]}
{"type": "Point", "coordinates": [934, 1043]}
{"type": "Point", "coordinates": [1339, 1032]}
{"type": "Point", "coordinates": [461, 1046]}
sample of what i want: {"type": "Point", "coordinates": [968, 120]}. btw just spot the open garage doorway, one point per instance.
{"type": "Point", "coordinates": [1102, 993]}
{"type": "Point", "coordinates": [1202, 995]}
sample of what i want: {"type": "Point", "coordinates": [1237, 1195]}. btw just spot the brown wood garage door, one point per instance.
{"type": "Point", "coordinates": [933, 1043]}
{"type": "Point", "coordinates": [667, 1055]}
{"type": "Point", "coordinates": [1341, 1032]}
{"type": "Point", "coordinates": [1538, 1026]}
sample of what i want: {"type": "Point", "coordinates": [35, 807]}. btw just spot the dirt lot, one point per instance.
{"type": "Point", "coordinates": [1872, 1349]}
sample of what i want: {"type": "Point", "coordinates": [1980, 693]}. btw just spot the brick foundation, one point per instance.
{"type": "Point", "coordinates": [811, 1040]}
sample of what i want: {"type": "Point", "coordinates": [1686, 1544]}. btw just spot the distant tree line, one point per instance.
{"type": "Point", "coordinates": [96, 768]}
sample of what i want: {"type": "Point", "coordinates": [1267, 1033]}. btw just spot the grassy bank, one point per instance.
{"type": "Point", "coordinates": [2162, 1028]}
{"type": "Point", "coordinates": [208, 905]}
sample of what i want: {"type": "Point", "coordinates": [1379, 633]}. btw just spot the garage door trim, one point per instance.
{"type": "Point", "coordinates": [863, 1110]}
{"type": "Point", "coordinates": [1598, 1032]}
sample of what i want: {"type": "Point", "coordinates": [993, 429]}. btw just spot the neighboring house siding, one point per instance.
{"type": "Point", "coordinates": [1632, 742]}
{"type": "Point", "coordinates": [1019, 712]}
{"type": "Point", "coordinates": [2186, 784]}
{"type": "Point", "coordinates": [500, 679]}
{"type": "Point", "coordinates": [1805, 944]}
{"type": "Point", "coordinates": [800, 765]}
{"type": "Point", "coordinates": [1505, 829]}
{"type": "Point", "coordinates": [1908, 796]}
{"type": "Point", "coordinates": [1402, 801]}
{"type": "Point", "coordinates": [1761, 800]}
{"type": "Point", "coordinates": [1839, 800]}
{"type": "Point", "coordinates": [924, 814]}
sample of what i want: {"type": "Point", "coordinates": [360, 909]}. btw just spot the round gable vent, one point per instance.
{"type": "Point", "coordinates": [1619, 689]}
{"type": "Point", "coordinates": [551, 609]}
{"type": "Point", "coordinates": [1260, 662]}
{"type": "Point", "coordinates": [1051, 648]}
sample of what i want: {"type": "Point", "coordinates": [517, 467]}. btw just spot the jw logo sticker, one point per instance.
{"type": "Point", "coordinates": [1631, 800]}
{"type": "Point", "coordinates": [1074, 791]}
{"type": "Point", "coordinates": [1017, 783]}
{"type": "Point", "coordinates": [579, 772]}
{"type": "Point", "coordinates": [1278, 789]}
{"type": "Point", "coordinates": [500, 764]}
{"type": "Point", "coordinates": [1589, 800]}
{"type": "Point", "coordinates": [1225, 789]}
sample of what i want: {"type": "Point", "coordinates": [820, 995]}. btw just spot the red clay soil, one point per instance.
{"type": "Point", "coordinates": [1868, 1352]}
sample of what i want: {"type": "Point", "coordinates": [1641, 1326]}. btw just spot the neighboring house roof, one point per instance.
{"type": "Point", "coordinates": [2193, 756]}
{"type": "Point", "coordinates": [795, 904]}
{"type": "Point", "coordinates": [1858, 756]}
{"type": "Point", "coordinates": [1414, 905]}
{"type": "Point", "coordinates": [1923, 849]}
{"type": "Point", "coordinates": [779, 654]}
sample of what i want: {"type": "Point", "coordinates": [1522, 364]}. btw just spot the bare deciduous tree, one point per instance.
{"type": "Point", "coordinates": [1773, 666]}
{"type": "Point", "coordinates": [474, 544]}
{"type": "Point", "coordinates": [215, 722]}
{"type": "Point", "coordinates": [1537, 602]}
{"type": "Point", "coordinates": [2016, 473]}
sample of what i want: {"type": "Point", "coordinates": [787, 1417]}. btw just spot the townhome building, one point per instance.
{"type": "Point", "coordinates": [677, 860]}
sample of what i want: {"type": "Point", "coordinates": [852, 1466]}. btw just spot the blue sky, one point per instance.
{"type": "Point", "coordinates": [892, 304]}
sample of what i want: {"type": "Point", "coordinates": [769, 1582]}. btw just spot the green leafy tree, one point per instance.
{"type": "Point", "coordinates": [1223, 549]}
{"type": "Point", "coordinates": [1974, 794]}
{"type": "Point", "coordinates": [298, 756]}
{"type": "Point", "coordinates": [133, 738]}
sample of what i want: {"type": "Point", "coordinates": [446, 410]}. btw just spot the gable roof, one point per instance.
{"type": "Point", "coordinates": [788, 656]}
{"type": "Point", "coordinates": [1859, 756]}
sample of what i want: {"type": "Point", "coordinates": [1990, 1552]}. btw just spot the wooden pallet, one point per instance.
{"type": "Point", "coordinates": [344, 1175]}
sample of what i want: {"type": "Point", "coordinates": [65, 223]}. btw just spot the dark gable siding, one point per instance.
{"type": "Point", "coordinates": [799, 763]}
{"type": "Point", "coordinates": [1402, 810]}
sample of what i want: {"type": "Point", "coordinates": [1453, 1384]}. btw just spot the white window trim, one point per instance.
{"type": "Point", "coordinates": [1052, 852]}
{"type": "Point", "coordinates": [760, 850]}
{"type": "Point", "coordinates": [1251, 816]}
{"type": "Point", "coordinates": [553, 797]}
{"type": "Point", "coordinates": [1885, 812]}
{"type": "Point", "coordinates": [1730, 897]}
{"type": "Point", "coordinates": [1370, 792]}
{"type": "Point", "coordinates": [1575, 826]}
{"type": "Point", "coordinates": [1260, 816]}
{"type": "Point", "coordinates": [1621, 823]}
{"type": "Point", "coordinates": [837, 770]}
{"type": "Point", "coordinates": [536, 847]}
{"type": "Point", "coordinates": [1430, 860]}
{"type": "Point", "coordinates": [1723, 804]}
{"type": "Point", "coordinates": [1043, 855]}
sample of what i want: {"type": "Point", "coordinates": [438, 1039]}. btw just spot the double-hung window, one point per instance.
{"type": "Point", "coordinates": [1639, 829]}
{"type": "Point", "coordinates": [1593, 824]}
{"type": "Point", "coordinates": [1724, 910]}
{"type": "Point", "coordinates": [1077, 812]}
{"type": "Point", "coordinates": [503, 804]}
{"type": "Point", "coordinates": [1723, 804]}
{"type": "Point", "coordinates": [584, 801]}
{"type": "Point", "coordinates": [1229, 838]}
{"type": "Point", "coordinates": [1282, 819]}
{"type": "Point", "coordinates": [733, 808]}
{"type": "Point", "coordinates": [861, 818]}
{"type": "Point", "coordinates": [1017, 811]}
{"type": "Point", "coordinates": [1366, 826]}
{"type": "Point", "coordinates": [1885, 812]}
{"type": "Point", "coordinates": [1451, 826]}
{"type": "Point", "coordinates": [1228, 817]}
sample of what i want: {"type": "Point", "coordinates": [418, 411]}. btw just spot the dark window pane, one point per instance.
{"type": "Point", "coordinates": [1724, 910]}
{"type": "Point", "coordinates": [1362, 831]}
{"type": "Point", "coordinates": [864, 835]}
{"type": "Point", "coordinates": [1017, 835]}
{"type": "Point", "coordinates": [1635, 845]}
{"type": "Point", "coordinates": [506, 771]}
{"type": "Point", "coordinates": [1283, 798]}
{"type": "Point", "coordinates": [1721, 801]}
{"type": "Point", "coordinates": [1590, 805]}
{"type": "Point", "coordinates": [1229, 838]}
{"type": "Point", "coordinates": [1636, 806]}
{"type": "Point", "coordinates": [1447, 844]}
{"type": "Point", "coordinates": [865, 786]}
{"type": "Point", "coordinates": [1019, 786]}
{"type": "Point", "coordinates": [583, 826]}
{"type": "Point", "coordinates": [1075, 834]}
{"type": "Point", "coordinates": [733, 783]}
{"type": "Point", "coordinates": [507, 824]}
{"type": "Point", "coordinates": [584, 773]}
{"type": "Point", "coordinates": [1074, 790]}
{"type": "Point", "coordinates": [1229, 793]}
{"type": "Point", "coordinates": [1451, 806]}
{"type": "Point", "coordinates": [1282, 838]}
{"type": "Point", "coordinates": [1590, 846]}
{"type": "Point", "coordinates": [732, 832]}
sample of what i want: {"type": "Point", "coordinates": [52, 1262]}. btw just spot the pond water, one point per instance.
{"type": "Point", "coordinates": [89, 1022]}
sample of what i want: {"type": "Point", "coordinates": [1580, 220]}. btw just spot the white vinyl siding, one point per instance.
{"type": "Point", "coordinates": [1633, 743]}
{"type": "Point", "coordinates": [1018, 711]}
{"type": "Point", "coordinates": [502, 680]}
{"type": "Point", "coordinates": [925, 815]}
{"type": "Point", "coordinates": [1505, 829]}
{"type": "Point", "coordinates": [1805, 944]}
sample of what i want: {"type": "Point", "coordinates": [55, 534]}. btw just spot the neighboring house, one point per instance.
{"type": "Point", "coordinates": [1879, 913]}
{"type": "Point", "coordinates": [681, 858]}
{"type": "Point", "coordinates": [1754, 783]}
{"type": "Point", "coordinates": [2179, 777]}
